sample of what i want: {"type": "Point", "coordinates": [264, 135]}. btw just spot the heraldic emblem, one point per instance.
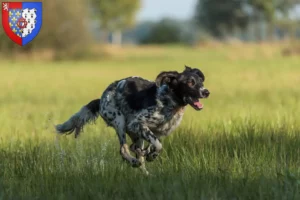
{"type": "Point", "coordinates": [22, 21]}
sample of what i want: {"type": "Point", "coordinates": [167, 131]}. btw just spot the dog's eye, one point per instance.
{"type": "Point", "coordinates": [191, 82]}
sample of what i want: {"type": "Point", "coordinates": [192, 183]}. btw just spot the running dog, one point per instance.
{"type": "Point", "coordinates": [142, 109]}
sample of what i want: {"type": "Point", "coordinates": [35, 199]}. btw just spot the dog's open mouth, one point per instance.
{"type": "Point", "coordinates": [195, 103]}
{"type": "Point", "coordinates": [198, 104]}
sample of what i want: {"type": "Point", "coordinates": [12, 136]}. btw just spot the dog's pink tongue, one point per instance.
{"type": "Point", "coordinates": [198, 104]}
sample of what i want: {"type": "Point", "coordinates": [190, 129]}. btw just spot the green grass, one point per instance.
{"type": "Point", "coordinates": [245, 143]}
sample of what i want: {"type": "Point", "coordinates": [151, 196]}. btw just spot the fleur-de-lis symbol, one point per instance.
{"type": "Point", "coordinates": [5, 6]}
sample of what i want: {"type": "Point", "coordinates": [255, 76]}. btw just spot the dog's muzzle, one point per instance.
{"type": "Point", "coordinates": [204, 93]}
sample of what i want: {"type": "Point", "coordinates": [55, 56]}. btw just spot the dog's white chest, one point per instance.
{"type": "Point", "coordinates": [164, 126]}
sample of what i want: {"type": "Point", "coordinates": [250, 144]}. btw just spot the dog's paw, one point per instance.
{"type": "Point", "coordinates": [151, 156]}
{"type": "Point", "coordinates": [135, 163]}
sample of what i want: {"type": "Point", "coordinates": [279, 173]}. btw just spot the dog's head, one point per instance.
{"type": "Point", "coordinates": [187, 86]}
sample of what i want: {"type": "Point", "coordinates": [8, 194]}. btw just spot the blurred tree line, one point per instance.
{"type": "Point", "coordinates": [247, 20]}
{"type": "Point", "coordinates": [224, 19]}
{"type": "Point", "coordinates": [69, 25]}
{"type": "Point", "coordinates": [166, 31]}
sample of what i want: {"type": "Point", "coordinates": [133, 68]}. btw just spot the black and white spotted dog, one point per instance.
{"type": "Point", "coordinates": [143, 109]}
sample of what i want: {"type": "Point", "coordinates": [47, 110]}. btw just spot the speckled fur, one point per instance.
{"type": "Point", "coordinates": [147, 124]}
{"type": "Point", "coordinates": [157, 115]}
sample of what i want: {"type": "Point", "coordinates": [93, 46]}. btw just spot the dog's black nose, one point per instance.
{"type": "Point", "coordinates": [206, 93]}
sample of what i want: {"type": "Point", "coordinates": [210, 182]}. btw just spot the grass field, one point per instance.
{"type": "Point", "coordinates": [244, 144]}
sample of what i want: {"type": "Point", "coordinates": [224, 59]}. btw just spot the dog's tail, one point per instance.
{"type": "Point", "coordinates": [88, 113]}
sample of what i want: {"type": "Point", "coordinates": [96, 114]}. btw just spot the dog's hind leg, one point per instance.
{"type": "Point", "coordinates": [119, 125]}
{"type": "Point", "coordinates": [115, 119]}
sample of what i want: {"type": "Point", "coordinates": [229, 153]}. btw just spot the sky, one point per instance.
{"type": "Point", "coordinates": [156, 9]}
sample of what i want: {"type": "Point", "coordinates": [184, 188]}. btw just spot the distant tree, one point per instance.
{"type": "Point", "coordinates": [283, 6]}
{"type": "Point", "coordinates": [163, 32]}
{"type": "Point", "coordinates": [140, 31]}
{"type": "Point", "coordinates": [115, 15]}
{"type": "Point", "coordinates": [64, 29]}
{"type": "Point", "coordinates": [220, 17]}
{"type": "Point", "coordinates": [265, 10]}
{"type": "Point", "coordinates": [286, 8]}
{"type": "Point", "coordinates": [266, 7]}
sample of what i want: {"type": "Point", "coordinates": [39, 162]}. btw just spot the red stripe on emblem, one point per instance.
{"type": "Point", "coordinates": [14, 5]}
{"type": "Point", "coordinates": [5, 21]}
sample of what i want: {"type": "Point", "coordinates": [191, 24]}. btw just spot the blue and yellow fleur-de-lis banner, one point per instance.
{"type": "Point", "coordinates": [14, 17]}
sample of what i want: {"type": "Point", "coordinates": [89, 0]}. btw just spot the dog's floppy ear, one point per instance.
{"type": "Point", "coordinates": [168, 78]}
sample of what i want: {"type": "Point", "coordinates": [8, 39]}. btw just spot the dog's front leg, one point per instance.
{"type": "Point", "coordinates": [155, 146]}
{"type": "Point", "coordinates": [137, 147]}
{"type": "Point", "coordinates": [144, 132]}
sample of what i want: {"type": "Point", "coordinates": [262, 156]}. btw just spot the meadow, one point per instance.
{"type": "Point", "coordinates": [244, 144]}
